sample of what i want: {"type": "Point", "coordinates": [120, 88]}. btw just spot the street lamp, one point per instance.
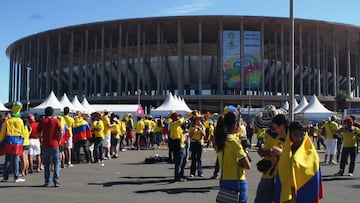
{"type": "Point", "coordinates": [27, 87]}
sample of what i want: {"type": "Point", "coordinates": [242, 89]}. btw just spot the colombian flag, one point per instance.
{"type": "Point", "coordinates": [11, 145]}
{"type": "Point", "coordinates": [11, 139]}
{"type": "Point", "coordinates": [81, 131]}
{"type": "Point", "coordinates": [299, 176]}
{"type": "Point", "coordinates": [65, 134]}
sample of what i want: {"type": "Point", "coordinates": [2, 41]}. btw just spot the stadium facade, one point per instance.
{"type": "Point", "coordinates": [210, 61]}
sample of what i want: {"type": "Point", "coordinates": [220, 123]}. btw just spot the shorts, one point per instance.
{"type": "Point", "coordinates": [114, 141]}
{"type": "Point", "coordinates": [331, 145]}
{"type": "Point", "coordinates": [34, 147]}
{"type": "Point", "coordinates": [69, 143]}
{"type": "Point", "coordinates": [61, 149]}
{"type": "Point", "coordinates": [107, 141]}
{"type": "Point", "coordinates": [91, 146]}
{"type": "Point", "coordinates": [26, 147]}
{"type": "Point", "coordinates": [130, 135]}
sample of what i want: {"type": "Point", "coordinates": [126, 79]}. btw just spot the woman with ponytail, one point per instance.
{"type": "Point", "coordinates": [232, 157]}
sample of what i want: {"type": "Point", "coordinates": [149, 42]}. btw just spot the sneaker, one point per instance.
{"type": "Point", "coordinates": [57, 184]}
{"type": "Point", "coordinates": [70, 165]}
{"type": "Point", "coordinates": [332, 162]}
{"type": "Point", "coordinates": [102, 163]}
{"type": "Point", "coordinates": [201, 175]}
{"type": "Point", "coordinates": [4, 180]}
{"type": "Point", "coordinates": [340, 173]}
{"type": "Point", "coordinates": [46, 184]}
{"type": "Point", "coordinates": [192, 175]}
{"type": "Point", "coordinates": [214, 177]}
{"type": "Point", "coordinates": [350, 174]}
{"type": "Point", "coordinates": [19, 180]}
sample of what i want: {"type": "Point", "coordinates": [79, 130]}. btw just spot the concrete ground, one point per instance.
{"type": "Point", "coordinates": [128, 179]}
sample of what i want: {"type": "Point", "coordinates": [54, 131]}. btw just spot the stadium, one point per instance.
{"type": "Point", "coordinates": [210, 61]}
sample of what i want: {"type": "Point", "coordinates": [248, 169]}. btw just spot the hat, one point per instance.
{"type": "Point", "coordinates": [196, 114]}
{"type": "Point", "coordinates": [264, 118]}
{"type": "Point", "coordinates": [31, 117]}
{"type": "Point", "coordinates": [174, 116]}
{"type": "Point", "coordinates": [230, 108]}
{"type": "Point", "coordinates": [349, 120]}
{"type": "Point", "coordinates": [16, 108]}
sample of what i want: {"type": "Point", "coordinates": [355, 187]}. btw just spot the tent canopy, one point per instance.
{"type": "Point", "coordinates": [87, 106]}
{"type": "Point", "coordinates": [66, 103]}
{"type": "Point", "coordinates": [76, 103]}
{"type": "Point", "coordinates": [316, 111]}
{"type": "Point", "coordinates": [171, 104]}
{"type": "Point", "coordinates": [119, 109]}
{"type": "Point", "coordinates": [303, 103]}
{"type": "Point", "coordinates": [3, 108]}
{"type": "Point", "coordinates": [52, 101]}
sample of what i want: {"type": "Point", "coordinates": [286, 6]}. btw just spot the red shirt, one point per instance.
{"type": "Point", "coordinates": [34, 127]}
{"type": "Point", "coordinates": [50, 130]}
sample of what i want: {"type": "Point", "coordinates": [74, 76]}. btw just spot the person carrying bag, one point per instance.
{"type": "Point", "coordinates": [233, 159]}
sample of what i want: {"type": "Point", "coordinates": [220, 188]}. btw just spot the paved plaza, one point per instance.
{"type": "Point", "coordinates": [128, 179]}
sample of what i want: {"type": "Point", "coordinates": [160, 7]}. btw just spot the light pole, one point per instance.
{"type": "Point", "coordinates": [291, 72]}
{"type": "Point", "coordinates": [27, 87]}
{"type": "Point", "coordinates": [250, 83]}
{"type": "Point", "coordinates": [139, 93]}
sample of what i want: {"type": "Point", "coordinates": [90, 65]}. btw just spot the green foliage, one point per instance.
{"type": "Point", "coordinates": [341, 98]}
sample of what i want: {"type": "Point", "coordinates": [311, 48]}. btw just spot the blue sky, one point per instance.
{"type": "Point", "coordinates": [21, 18]}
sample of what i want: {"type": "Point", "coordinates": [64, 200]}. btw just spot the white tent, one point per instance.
{"type": "Point", "coordinates": [3, 108]}
{"type": "Point", "coordinates": [87, 106]}
{"type": "Point", "coordinates": [52, 101]}
{"type": "Point", "coordinates": [286, 105]}
{"type": "Point", "coordinates": [171, 104]}
{"type": "Point", "coordinates": [303, 103]}
{"type": "Point", "coordinates": [119, 109]}
{"type": "Point", "coordinates": [316, 111]}
{"type": "Point", "coordinates": [66, 102]}
{"type": "Point", "coordinates": [76, 103]}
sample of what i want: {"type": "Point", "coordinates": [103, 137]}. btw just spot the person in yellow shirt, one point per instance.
{"type": "Point", "coordinates": [232, 157]}
{"type": "Point", "coordinates": [107, 134]}
{"type": "Point", "coordinates": [350, 134]}
{"type": "Point", "coordinates": [26, 144]}
{"type": "Point", "coordinates": [159, 125]}
{"type": "Point", "coordinates": [122, 125]}
{"type": "Point", "coordinates": [331, 128]}
{"type": "Point", "coordinates": [139, 130]}
{"type": "Point", "coordinates": [260, 133]}
{"type": "Point", "coordinates": [11, 141]}
{"type": "Point", "coordinates": [178, 145]}
{"type": "Point", "coordinates": [97, 128]}
{"type": "Point", "coordinates": [69, 143]}
{"type": "Point", "coordinates": [197, 135]}
{"type": "Point", "coordinates": [115, 136]}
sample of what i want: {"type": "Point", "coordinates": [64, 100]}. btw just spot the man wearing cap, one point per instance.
{"type": "Point", "coordinates": [11, 141]}
{"type": "Point", "coordinates": [196, 134]}
{"type": "Point", "coordinates": [349, 134]}
{"type": "Point", "coordinates": [265, 190]}
{"type": "Point", "coordinates": [177, 138]}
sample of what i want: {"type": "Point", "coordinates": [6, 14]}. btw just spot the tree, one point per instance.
{"type": "Point", "coordinates": [341, 98]}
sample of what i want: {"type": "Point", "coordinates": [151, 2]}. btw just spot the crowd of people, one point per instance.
{"type": "Point", "coordinates": [286, 148]}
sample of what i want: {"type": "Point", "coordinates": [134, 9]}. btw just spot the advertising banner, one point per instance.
{"type": "Point", "coordinates": [231, 59]}
{"type": "Point", "coordinates": [252, 50]}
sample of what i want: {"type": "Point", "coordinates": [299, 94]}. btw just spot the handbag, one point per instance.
{"type": "Point", "coordinates": [226, 195]}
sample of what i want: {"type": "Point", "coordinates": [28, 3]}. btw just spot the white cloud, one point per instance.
{"type": "Point", "coordinates": [191, 7]}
